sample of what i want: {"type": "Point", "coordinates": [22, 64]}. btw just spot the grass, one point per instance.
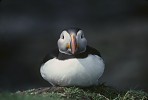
{"type": "Point", "coordinates": [100, 92]}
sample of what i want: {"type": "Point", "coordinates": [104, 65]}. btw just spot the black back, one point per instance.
{"type": "Point", "coordinates": [62, 56]}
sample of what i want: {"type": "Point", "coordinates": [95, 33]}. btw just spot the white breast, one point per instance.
{"type": "Point", "coordinates": [73, 72]}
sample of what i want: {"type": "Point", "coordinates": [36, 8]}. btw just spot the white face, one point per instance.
{"type": "Point", "coordinates": [72, 43]}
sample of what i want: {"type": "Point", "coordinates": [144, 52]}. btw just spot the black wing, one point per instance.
{"type": "Point", "coordinates": [54, 53]}
{"type": "Point", "coordinates": [91, 50]}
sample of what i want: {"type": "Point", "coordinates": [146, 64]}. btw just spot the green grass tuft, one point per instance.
{"type": "Point", "coordinates": [100, 92]}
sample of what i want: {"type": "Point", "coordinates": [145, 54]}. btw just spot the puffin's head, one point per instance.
{"type": "Point", "coordinates": [72, 41]}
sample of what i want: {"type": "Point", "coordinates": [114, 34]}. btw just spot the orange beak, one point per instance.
{"type": "Point", "coordinates": [73, 44]}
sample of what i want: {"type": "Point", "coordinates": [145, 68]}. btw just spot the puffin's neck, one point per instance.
{"type": "Point", "coordinates": [63, 56]}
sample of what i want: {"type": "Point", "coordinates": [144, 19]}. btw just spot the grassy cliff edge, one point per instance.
{"type": "Point", "coordinates": [100, 92]}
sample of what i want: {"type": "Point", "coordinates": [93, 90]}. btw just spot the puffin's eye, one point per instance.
{"type": "Point", "coordinates": [62, 36]}
{"type": "Point", "coordinates": [82, 36]}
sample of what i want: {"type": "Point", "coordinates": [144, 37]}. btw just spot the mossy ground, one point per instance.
{"type": "Point", "coordinates": [100, 92]}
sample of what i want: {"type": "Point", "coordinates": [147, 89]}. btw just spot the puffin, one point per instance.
{"type": "Point", "coordinates": [73, 62]}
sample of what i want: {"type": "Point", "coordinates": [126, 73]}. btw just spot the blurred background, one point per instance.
{"type": "Point", "coordinates": [29, 29]}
